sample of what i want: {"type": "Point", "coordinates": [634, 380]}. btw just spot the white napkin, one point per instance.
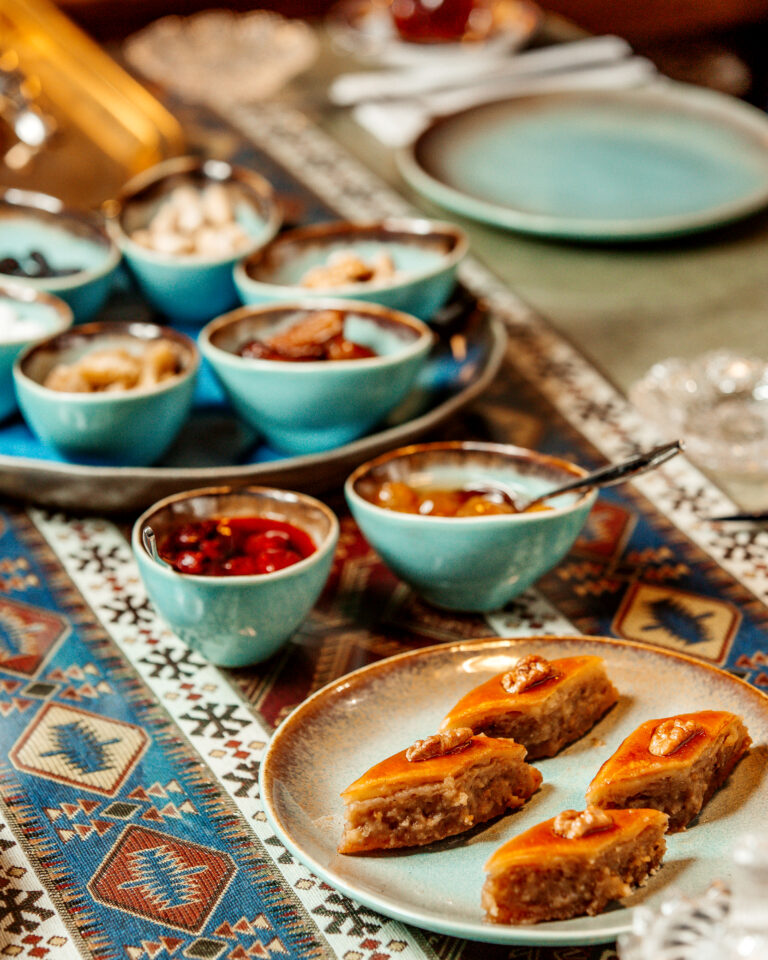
{"type": "Point", "coordinates": [398, 122]}
{"type": "Point", "coordinates": [351, 88]}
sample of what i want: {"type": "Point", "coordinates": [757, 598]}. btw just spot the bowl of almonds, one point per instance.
{"type": "Point", "coordinates": [183, 224]}
{"type": "Point", "coordinates": [108, 393]}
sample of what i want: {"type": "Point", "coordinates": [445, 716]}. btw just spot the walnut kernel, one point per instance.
{"type": "Point", "coordinates": [439, 745]}
{"type": "Point", "coordinates": [526, 673]}
{"type": "Point", "coordinates": [671, 735]}
{"type": "Point", "coordinates": [572, 824]}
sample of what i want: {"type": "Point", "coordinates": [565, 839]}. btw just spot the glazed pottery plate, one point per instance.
{"type": "Point", "coordinates": [215, 447]}
{"type": "Point", "coordinates": [341, 731]}
{"type": "Point", "coordinates": [644, 163]}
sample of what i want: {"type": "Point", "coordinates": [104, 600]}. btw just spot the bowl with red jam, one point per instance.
{"type": "Point", "coordinates": [235, 570]}
{"type": "Point", "coordinates": [311, 376]}
{"type": "Point", "coordinates": [450, 519]}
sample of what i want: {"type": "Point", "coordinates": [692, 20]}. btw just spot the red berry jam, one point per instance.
{"type": "Point", "coordinates": [235, 546]}
{"type": "Point", "coordinates": [431, 21]}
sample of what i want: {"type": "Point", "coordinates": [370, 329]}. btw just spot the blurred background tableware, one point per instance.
{"type": "Point", "coordinates": [718, 401]}
{"type": "Point", "coordinates": [309, 406]}
{"type": "Point", "coordinates": [657, 161]}
{"type": "Point", "coordinates": [251, 55]}
{"type": "Point", "coordinates": [183, 224]}
{"type": "Point", "coordinates": [236, 620]}
{"type": "Point", "coordinates": [468, 562]}
{"type": "Point", "coordinates": [57, 250]}
{"type": "Point", "coordinates": [727, 921]}
{"type": "Point", "coordinates": [118, 423]}
{"type": "Point", "coordinates": [72, 110]}
{"type": "Point", "coordinates": [420, 259]}
{"type": "Point", "coordinates": [26, 315]}
{"type": "Point", "coordinates": [376, 30]}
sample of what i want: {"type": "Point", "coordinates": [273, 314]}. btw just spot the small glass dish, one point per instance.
{"type": "Point", "coordinates": [717, 402]}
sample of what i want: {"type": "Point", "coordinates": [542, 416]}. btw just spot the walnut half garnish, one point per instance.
{"type": "Point", "coordinates": [671, 735]}
{"type": "Point", "coordinates": [439, 745]}
{"type": "Point", "coordinates": [573, 824]}
{"type": "Point", "coordinates": [526, 673]}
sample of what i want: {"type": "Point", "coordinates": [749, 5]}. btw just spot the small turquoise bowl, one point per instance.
{"type": "Point", "coordinates": [311, 406]}
{"type": "Point", "coordinates": [469, 563]}
{"type": "Point", "coordinates": [128, 428]}
{"type": "Point", "coordinates": [37, 316]}
{"type": "Point", "coordinates": [234, 621]}
{"type": "Point", "coordinates": [67, 239]}
{"type": "Point", "coordinates": [190, 288]}
{"type": "Point", "coordinates": [424, 253]}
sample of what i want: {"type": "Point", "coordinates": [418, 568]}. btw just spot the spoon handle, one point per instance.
{"type": "Point", "coordinates": [619, 472]}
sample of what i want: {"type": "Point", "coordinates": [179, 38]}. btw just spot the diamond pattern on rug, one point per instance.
{"type": "Point", "coordinates": [675, 618]}
{"type": "Point", "coordinates": [79, 748]}
{"type": "Point", "coordinates": [167, 880]}
{"type": "Point", "coordinates": [28, 636]}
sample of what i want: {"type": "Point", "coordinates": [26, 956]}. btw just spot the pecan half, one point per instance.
{"type": "Point", "coordinates": [526, 673]}
{"type": "Point", "coordinates": [439, 745]}
{"type": "Point", "coordinates": [573, 824]}
{"type": "Point", "coordinates": [671, 735]}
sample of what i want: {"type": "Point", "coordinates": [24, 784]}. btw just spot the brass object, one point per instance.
{"type": "Point", "coordinates": [91, 125]}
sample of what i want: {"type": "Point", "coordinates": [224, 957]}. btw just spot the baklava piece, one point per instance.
{"type": "Point", "coordinates": [573, 864]}
{"type": "Point", "coordinates": [674, 764]}
{"type": "Point", "coordinates": [436, 788]}
{"type": "Point", "coordinates": [543, 704]}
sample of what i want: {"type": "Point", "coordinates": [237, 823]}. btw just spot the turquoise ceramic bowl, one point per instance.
{"type": "Point", "coordinates": [130, 428]}
{"type": "Point", "coordinates": [190, 288]}
{"type": "Point", "coordinates": [234, 621]}
{"type": "Point", "coordinates": [424, 253]}
{"type": "Point", "coordinates": [469, 563]}
{"type": "Point", "coordinates": [311, 406]}
{"type": "Point", "coordinates": [67, 239]}
{"type": "Point", "coordinates": [26, 316]}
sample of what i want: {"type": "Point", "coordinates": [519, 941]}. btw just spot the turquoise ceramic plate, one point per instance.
{"type": "Point", "coordinates": [346, 727]}
{"type": "Point", "coordinates": [645, 163]}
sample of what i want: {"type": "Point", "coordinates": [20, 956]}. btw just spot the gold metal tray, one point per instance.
{"type": "Point", "coordinates": [106, 126]}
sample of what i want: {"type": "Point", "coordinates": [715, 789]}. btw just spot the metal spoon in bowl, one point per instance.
{"type": "Point", "coordinates": [150, 545]}
{"type": "Point", "coordinates": [604, 477]}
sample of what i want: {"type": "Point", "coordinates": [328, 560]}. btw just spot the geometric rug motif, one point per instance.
{"type": "Point", "coordinates": [27, 636]}
{"type": "Point", "coordinates": [79, 748]}
{"type": "Point", "coordinates": [606, 531]}
{"type": "Point", "coordinates": [162, 878]}
{"type": "Point", "coordinates": [678, 619]}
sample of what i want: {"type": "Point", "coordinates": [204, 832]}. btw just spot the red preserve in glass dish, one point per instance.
{"type": "Point", "coordinates": [432, 21]}
{"type": "Point", "coordinates": [234, 546]}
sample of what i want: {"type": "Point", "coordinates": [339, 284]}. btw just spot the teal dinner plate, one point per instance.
{"type": "Point", "coordinates": [645, 163]}
{"type": "Point", "coordinates": [364, 717]}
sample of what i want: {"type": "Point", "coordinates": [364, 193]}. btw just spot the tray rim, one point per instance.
{"type": "Point", "coordinates": [176, 479]}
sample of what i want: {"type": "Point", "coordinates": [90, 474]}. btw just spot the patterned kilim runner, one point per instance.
{"type": "Point", "coordinates": [129, 771]}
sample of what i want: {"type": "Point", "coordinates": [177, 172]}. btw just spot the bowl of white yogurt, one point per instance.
{"type": "Point", "coordinates": [26, 316]}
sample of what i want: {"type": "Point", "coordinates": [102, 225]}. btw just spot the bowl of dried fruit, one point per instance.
{"type": "Point", "coordinates": [26, 316]}
{"type": "Point", "coordinates": [108, 393]}
{"type": "Point", "coordinates": [313, 375]}
{"type": "Point", "coordinates": [46, 246]}
{"type": "Point", "coordinates": [183, 224]}
{"type": "Point", "coordinates": [234, 571]}
{"type": "Point", "coordinates": [408, 265]}
{"type": "Point", "coordinates": [452, 519]}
